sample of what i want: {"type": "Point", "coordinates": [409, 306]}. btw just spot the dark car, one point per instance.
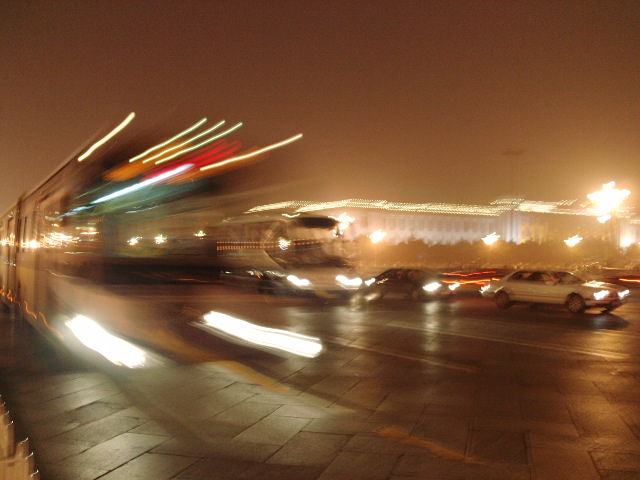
{"type": "Point", "coordinates": [410, 283]}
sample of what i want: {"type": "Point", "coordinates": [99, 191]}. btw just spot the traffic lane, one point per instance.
{"type": "Point", "coordinates": [382, 323]}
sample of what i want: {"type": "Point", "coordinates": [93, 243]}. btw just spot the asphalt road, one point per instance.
{"type": "Point", "coordinates": [439, 389]}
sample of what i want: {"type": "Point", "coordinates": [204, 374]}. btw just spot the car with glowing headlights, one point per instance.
{"type": "Point", "coordinates": [415, 284]}
{"type": "Point", "coordinates": [555, 287]}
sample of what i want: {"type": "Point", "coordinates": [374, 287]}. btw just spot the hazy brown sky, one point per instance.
{"type": "Point", "coordinates": [408, 101]}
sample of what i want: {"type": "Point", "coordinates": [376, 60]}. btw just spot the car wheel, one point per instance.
{"type": "Point", "coordinates": [502, 299]}
{"type": "Point", "coordinates": [575, 303]}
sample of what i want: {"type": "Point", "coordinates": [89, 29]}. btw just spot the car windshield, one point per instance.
{"type": "Point", "coordinates": [568, 278]}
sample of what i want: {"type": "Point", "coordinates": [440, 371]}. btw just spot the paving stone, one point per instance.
{"type": "Point", "coordinates": [75, 472]}
{"type": "Point", "coordinates": [498, 446]}
{"type": "Point", "coordinates": [116, 451]}
{"type": "Point", "coordinates": [340, 426]}
{"type": "Point", "coordinates": [304, 411]}
{"type": "Point", "coordinates": [564, 464]}
{"type": "Point", "coordinates": [273, 430]}
{"type": "Point", "coordinates": [360, 466]}
{"type": "Point", "coordinates": [55, 407]}
{"type": "Point", "coordinates": [97, 431]}
{"type": "Point", "coordinates": [150, 466]}
{"type": "Point", "coordinates": [225, 469]}
{"type": "Point", "coordinates": [431, 467]}
{"type": "Point", "coordinates": [310, 448]}
{"type": "Point", "coordinates": [607, 459]}
{"type": "Point", "coordinates": [199, 447]}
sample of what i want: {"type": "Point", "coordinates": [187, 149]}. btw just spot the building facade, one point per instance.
{"type": "Point", "coordinates": [515, 220]}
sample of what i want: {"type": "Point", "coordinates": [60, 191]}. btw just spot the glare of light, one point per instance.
{"type": "Point", "coordinates": [349, 282]}
{"type": "Point", "coordinates": [160, 239]}
{"type": "Point", "coordinates": [283, 243]}
{"type": "Point", "coordinates": [599, 295]}
{"type": "Point", "coordinates": [369, 282]}
{"type": "Point", "coordinates": [604, 218]}
{"type": "Point", "coordinates": [573, 241]}
{"type": "Point", "coordinates": [608, 199]}
{"type": "Point", "coordinates": [344, 221]}
{"type": "Point", "coordinates": [145, 183]}
{"type": "Point", "coordinates": [195, 147]}
{"type": "Point", "coordinates": [263, 336]}
{"type": "Point", "coordinates": [114, 349]}
{"type": "Point", "coordinates": [299, 282]}
{"type": "Point", "coordinates": [133, 241]}
{"type": "Point", "coordinates": [454, 286]}
{"type": "Point", "coordinates": [377, 236]}
{"type": "Point", "coordinates": [200, 234]}
{"type": "Point", "coordinates": [491, 238]}
{"type": "Point", "coordinates": [432, 287]}
{"type": "Point", "coordinates": [107, 137]}
{"type": "Point", "coordinates": [163, 144]}
{"type": "Point", "coordinates": [252, 154]}
{"type": "Point", "coordinates": [623, 294]}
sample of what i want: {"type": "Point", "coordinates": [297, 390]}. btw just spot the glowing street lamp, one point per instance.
{"type": "Point", "coordinates": [491, 238]}
{"type": "Point", "coordinates": [607, 200]}
{"type": "Point", "coordinates": [377, 236]}
{"type": "Point", "coordinates": [573, 241]}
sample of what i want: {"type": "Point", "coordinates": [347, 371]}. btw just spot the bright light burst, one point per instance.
{"type": "Point", "coordinates": [607, 200]}
{"type": "Point", "coordinates": [573, 241]}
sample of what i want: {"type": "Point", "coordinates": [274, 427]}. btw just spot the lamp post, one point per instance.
{"type": "Point", "coordinates": [489, 240]}
{"type": "Point", "coordinates": [606, 202]}
{"type": "Point", "coordinates": [376, 237]}
{"type": "Point", "coordinates": [572, 242]}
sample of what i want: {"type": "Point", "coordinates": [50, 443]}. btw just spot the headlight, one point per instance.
{"type": "Point", "coordinates": [349, 282]}
{"type": "Point", "coordinates": [369, 282]}
{"type": "Point", "coordinates": [299, 282]}
{"type": "Point", "coordinates": [453, 286]}
{"type": "Point", "coordinates": [623, 294]}
{"type": "Point", "coordinates": [599, 295]}
{"type": "Point", "coordinates": [432, 287]}
{"type": "Point", "coordinates": [484, 288]}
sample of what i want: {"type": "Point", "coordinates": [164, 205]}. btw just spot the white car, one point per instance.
{"type": "Point", "coordinates": [554, 287]}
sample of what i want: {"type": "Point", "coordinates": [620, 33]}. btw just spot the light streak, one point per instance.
{"type": "Point", "coordinates": [252, 154]}
{"type": "Point", "coordinates": [163, 144]}
{"type": "Point", "coordinates": [114, 349]}
{"type": "Point", "coordinates": [107, 137]}
{"type": "Point", "coordinates": [190, 149]}
{"type": "Point", "coordinates": [195, 147]}
{"type": "Point", "coordinates": [146, 183]}
{"type": "Point", "coordinates": [267, 337]}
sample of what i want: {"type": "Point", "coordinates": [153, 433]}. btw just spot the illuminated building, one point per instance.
{"type": "Point", "coordinates": [514, 219]}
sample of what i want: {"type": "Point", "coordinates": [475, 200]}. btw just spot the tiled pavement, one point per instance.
{"type": "Point", "coordinates": [209, 421]}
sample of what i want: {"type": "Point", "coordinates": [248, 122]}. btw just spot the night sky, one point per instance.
{"type": "Point", "coordinates": [406, 101]}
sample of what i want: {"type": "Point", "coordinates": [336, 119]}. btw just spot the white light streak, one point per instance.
{"type": "Point", "coordinates": [114, 349]}
{"type": "Point", "coordinates": [151, 181]}
{"type": "Point", "coordinates": [107, 137]}
{"type": "Point", "coordinates": [252, 154]}
{"type": "Point", "coordinates": [267, 337]}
